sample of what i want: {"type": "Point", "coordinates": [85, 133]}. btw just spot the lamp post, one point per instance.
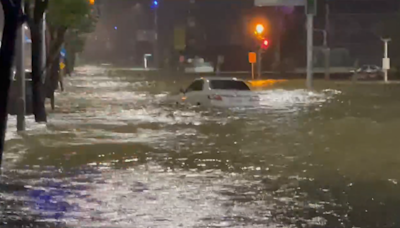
{"type": "Point", "coordinates": [155, 47]}
{"type": "Point", "coordinates": [386, 59]}
{"type": "Point", "coordinates": [258, 32]}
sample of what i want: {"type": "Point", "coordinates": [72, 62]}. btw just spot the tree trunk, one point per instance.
{"type": "Point", "coordinates": [52, 81]}
{"type": "Point", "coordinates": [52, 63]}
{"type": "Point", "coordinates": [12, 20]}
{"type": "Point", "coordinates": [37, 71]}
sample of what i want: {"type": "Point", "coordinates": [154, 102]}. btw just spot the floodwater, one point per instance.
{"type": "Point", "coordinates": [114, 154]}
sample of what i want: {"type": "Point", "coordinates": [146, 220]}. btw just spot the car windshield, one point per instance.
{"type": "Point", "coordinates": [228, 85]}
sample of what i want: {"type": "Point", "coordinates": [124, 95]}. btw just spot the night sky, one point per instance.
{"type": "Point", "coordinates": [223, 23]}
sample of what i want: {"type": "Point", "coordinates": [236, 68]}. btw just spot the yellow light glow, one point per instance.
{"type": "Point", "coordinates": [183, 98]}
{"type": "Point", "coordinates": [260, 28]}
{"type": "Point", "coordinates": [264, 83]}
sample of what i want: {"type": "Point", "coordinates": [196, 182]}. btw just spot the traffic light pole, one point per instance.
{"type": "Point", "coordinates": [259, 65]}
{"type": "Point", "coordinates": [156, 57]}
{"type": "Point", "coordinates": [310, 29]}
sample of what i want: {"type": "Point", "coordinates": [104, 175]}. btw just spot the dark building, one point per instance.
{"type": "Point", "coordinates": [221, 27]}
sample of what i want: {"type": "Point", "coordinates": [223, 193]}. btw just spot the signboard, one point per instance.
{"type": "Point", "coordinates": [311, 7]}
{"type": "Point", "coordinates": [279, 2]}
{"type": "Point", "coordinates": [179, 38]}
{"type": "Point", "coordinates": [252, 57]}
{"type": "Point", "coordinates": [63, 52]}
{"type": "Point", "coordinates": [62, 66]}
{"type": "Point", "coordinates": [386, 63]}
{"type": "Point", "coordinates": [27, 40]}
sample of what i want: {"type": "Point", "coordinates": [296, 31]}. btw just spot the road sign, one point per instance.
{"type": "Point", "coordinates": [62, 66]}
{"type": "Point", "coordinates": [27, 40]}
{"type": "Point", "coordinates": [311, 7]}
{"type": "Point", "coordinates": [63, 53]}
{"type": "Point", "coordinates": [386, 63]}
{"type": "Point", "coordinates": [252, 57]}
{"type": "Point", "coordinates": [279, 2]}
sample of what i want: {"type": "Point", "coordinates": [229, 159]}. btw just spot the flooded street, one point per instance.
{"type": "Point", "coordinates": [115, 154]}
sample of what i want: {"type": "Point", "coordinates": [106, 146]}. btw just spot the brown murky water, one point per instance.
{"type": "Point", "coordinates": [114, 154]}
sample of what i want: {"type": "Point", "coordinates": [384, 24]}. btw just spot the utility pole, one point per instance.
{"type": "Point", "coordinates": [326, 46]}
{"type": "Point", "coordinates": [20, 77]}
{"type": "Point", "coordinates": [311, 10]}
{"type": "Point", "coordinates": [156, 51]}
{"type": "Point", "coordinates": [259, 63]}
{"type": "Point", "coordinates": [310, 25]}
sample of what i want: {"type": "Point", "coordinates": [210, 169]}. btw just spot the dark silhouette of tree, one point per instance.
{"type": "Point", "coordinates": [13, 19]}
{"type": "Point", "coordinates": [35, 14]}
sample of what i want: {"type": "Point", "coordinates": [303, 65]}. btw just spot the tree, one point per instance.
{"type": "Point", "coordinates": [13, 19]}
{"type": "Point", "coordinates": [35, 14]}
{"type": "Point", "coordinates": [75, 40]}
{"type": "Point", "coordinates": [65, 18]}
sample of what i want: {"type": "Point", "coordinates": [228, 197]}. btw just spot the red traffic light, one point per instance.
{"type": "Point", "coordinates": [264, 44]}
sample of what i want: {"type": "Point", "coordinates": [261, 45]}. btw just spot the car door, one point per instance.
{"type": "Point", "coordinates": [194, 92]}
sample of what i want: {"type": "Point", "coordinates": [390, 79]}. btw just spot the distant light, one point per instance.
{"type": "Point", "coordinates": [259, 28]}
{"type": "Point", "coordinates": [155, 3]}
{"type": "Point", "coordinates": [115, 28]}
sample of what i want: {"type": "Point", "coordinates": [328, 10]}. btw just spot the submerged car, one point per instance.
{"type": "Point", "coordinates": [368, 72]}
{"type": "Point", "coordinates": [219, 92]}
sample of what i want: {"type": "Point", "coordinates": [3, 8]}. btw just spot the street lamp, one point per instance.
{"type": "Point", "coordinates": [386, 59]}
{"type": "Point", "coordinates": [259, 29]}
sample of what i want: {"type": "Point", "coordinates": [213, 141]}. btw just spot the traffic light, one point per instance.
{"type": "Point", "coordinates": [91, 2]}
{"type": "Point", "coordinates": [155, 4]}
{"type": "Point", "coordinates": [264, 44]}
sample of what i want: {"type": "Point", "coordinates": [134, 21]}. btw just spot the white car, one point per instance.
{"type": "Point", "coordinates": [219, 92]}
{"type": "Point", "coordinates": [368, 72]}
{"type": "Point", "coordinates": [197, 65]}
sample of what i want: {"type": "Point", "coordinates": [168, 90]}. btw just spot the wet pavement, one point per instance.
{"type": "Point", "coordinates": [115, 154]}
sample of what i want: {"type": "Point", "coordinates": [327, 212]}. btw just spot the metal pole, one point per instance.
{"type": "Point", "coordinates": [156, 57]}
{"type": "Point", "coordinates": [44, 52]}
{"type": "Point", "coordinates": [252, 71]}
{"type": "Point", "coordinates": [310, 30]}
{"type": "Point", "coordinates": [326, 47]}
{"type": "Point", "coordinates": [20, 78]}
{"type": "Point", "coordinates": [259, 65]}
{"type": "Point", "coordinates": [386, 56]}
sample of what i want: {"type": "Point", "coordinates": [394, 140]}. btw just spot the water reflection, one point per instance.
{"type": "Point", "coordinates": [114, 154]}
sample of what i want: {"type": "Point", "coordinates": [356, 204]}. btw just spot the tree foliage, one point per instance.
{"type": "Point", "coordinates": [69, 14]}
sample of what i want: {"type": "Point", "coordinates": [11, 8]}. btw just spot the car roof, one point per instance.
{"type": "Point", "coordinates": [219, 78]}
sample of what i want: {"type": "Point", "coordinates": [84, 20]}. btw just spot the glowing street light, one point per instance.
{"type": "Point", "coordinates": [260, 29]}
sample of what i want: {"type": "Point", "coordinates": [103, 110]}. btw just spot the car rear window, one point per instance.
{"type": "Point", "coordinates": [228, 85]}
